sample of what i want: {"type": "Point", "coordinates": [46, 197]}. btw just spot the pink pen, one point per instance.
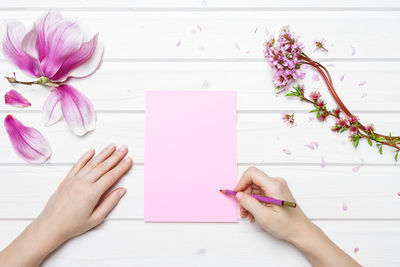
{"type": "Point", "coordinates": [263, 199]}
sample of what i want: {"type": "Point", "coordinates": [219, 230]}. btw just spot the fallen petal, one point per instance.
{"type": "Point", "coordinates": [178, 43]}
{"type": "Point", "coordinates": [342, 77]}
{"type": "Point", "coordinates": [199, 28]}
{"type": "Point", "coordinates": [362, 83]}
{"type": "Point", "coordinates": [315, 143]}
{"type": "Point", "coordinates": [398, 194]}
{"type": "Point", "coordinates": [77, 110]}
{"type": "Point", "coordinates": [310, 118]}
{"type": "Point", "coordinates": [356, 250]}
{"type": "Point", "coordinates": [83, 62]}
{"type": "Point", "coordinates": [309, 146]}
{"type": "Point", "coordinates": [344, 206]}
{"type": "Point", "coordinates": [364, 95]}
{"type": "Point", "coordinates": [315, 77]}
{"type": "Point", "coordinates": [255, 31]}
{"type": "Point", "coordinates": [287, 151]}
{"type": "Point", "coordinates": [323, 162]}
{"type": "Point", "coordinates": [356, 168]}
{"type": "Point", "coordinates": [15, 99]}
{"type": "Point", "coordinates": [330, 65]}
{"type": "Point", "coordinates": [237, 46]}
{"type": "Point", "coordinates": [353, 50]}
{"type": "Point", "coordinates": [28, 143]}
{"type": "Point", "coordinates": [51, 111]}
{"type": "Point", "coordinates": [12, 37]}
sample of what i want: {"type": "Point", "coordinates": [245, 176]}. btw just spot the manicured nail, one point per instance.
{"type": "Point", "coordinates": [121, 192]}
{"type": "Point", "coordinates": [90, 151]}
{"type": "Point", "coordinates": [123, 148]}
{"type": "Point", "coordinates": [239, 195]}
{"type": "Point", "coordinates": [128, 160]}
{"type": "Point", "coordinates": [111, 146]}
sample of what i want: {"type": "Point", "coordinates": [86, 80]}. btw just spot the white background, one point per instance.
{"type": "Point", "coordinates": [141, 53]}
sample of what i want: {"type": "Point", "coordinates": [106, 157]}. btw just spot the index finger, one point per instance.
{"type": "Point", "coordinates": [254, 176]}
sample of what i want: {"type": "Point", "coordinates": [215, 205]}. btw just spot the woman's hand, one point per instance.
{"type": "Point", "coordinates": [281, 222]}
{"type": "Point", "coordinates": [80, 203]}
{"type": "Point", "coordinates": [289, 224]}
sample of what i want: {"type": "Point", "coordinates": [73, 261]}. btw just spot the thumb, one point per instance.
{"type": "Point", "coordinates": [250, 203]}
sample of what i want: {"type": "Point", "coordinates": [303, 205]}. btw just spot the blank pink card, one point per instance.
{"type": "Point", "coordinates": [190, 153]}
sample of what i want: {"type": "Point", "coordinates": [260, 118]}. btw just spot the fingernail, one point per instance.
{"type": "Point", "coordinates": [239, 195]}
{"type": "Point", "coordinates": [111, 146]}
{"type": "Point", "coordinates": [121, 192]}
{"type": "Point", "coordinates": [123, 148]}
{"type": "Point", "coordinates": [90, 151]}
{"type": "Point", "coordinates": [128, 160]}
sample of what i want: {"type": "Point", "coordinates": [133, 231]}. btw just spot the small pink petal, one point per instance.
{"type": "Point", "coordinates": [15, 99]}
{"type": "Point", "coordinates": [323, 162]}
{"type": "Point", "coordinates": [237, 46]}
{"type": "Point", "coordinates": [398, 194]}
{"type": "Point", "coordinates": [356, 250]}
{"type": "Point", "coordinates": [199, 28]}
{"type": "Point", "coordinates": [364, 95]}
{"type": "Point", "coordinates": [287, 151]}
{"type": "Point", "coordinates": [315, 77]}
{"type": "Point", "coordinates": [330, 65]}
{"type": "Point", "coordinates": [342, 77]}
{"type": "Point", "coordinates": [178, 43]}
{"type": "Point", "coordinates": [77, 110]}
{"type": "Point", "coordinates": [28, 143]}
{"type": "Point", "coordinates": [310, 146]}
{"type": "Point", "coordinates": [344, 206]}
{"type": "Point", "coordinates": [266, 31]}
{"type": "Point", "coordinates": [362, 83]}
{"type": "Point", "coordinates": [310, 118]}
{"type": "Point", "coordinates": [248, 52]}
{"type": "Point", "coordinates": [353, 50]}
{"type": "Point", "coordinates": [256, 30]}
{"type": "Point", "coordinates": [51, 111]}
{"type": "Point", "coordinates": [315, 143]}
{"type": "Point", "coordinates": [356, 168]}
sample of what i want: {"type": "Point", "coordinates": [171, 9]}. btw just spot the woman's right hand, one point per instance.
{"type": "Point", "coordinates": [282, 222]}
{"type": "Point", "coordinates": [289, 224]}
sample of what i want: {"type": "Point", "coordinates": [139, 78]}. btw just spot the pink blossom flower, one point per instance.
{"type": "Point", "coordinates": [28, 142]}
{"type": "Point", "coordinates": [288, 118]}
{"type": "Point", "coordinates": [320, 46]}
{"type": "Point", "coordinates": [283, 55]}
{"type": "Point", "coordinates": [315, 95]}
{"type": "Point", "coordinates": [370, 128]}
{"type": "Point", "coordinates": [53, 51]}
{"type": "Point", "coordinates": [337, 111]}
{"type": "Point", "coordinates": [352, 119]}
{"type": "Point", "coordinates": [14, 98]}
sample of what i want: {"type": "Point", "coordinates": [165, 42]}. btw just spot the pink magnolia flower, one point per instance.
{"type": "Point", "coordinates": [14, 98]}
{"type": "Point", "coordinates": [54, 51]}
{"type": "Point", "coordinates": [28, 142]}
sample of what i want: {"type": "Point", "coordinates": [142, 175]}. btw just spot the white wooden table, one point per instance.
{"type": "Point", "coordinates": [141, 53]}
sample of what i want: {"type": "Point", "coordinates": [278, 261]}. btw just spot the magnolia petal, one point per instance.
{"type": "Point", "coordinates": [64, 39]}
{"type": "Point", "coordinates": [28, 143]}
{"type": "Point", "coordinates": [83, 62]}
{"type": "Point", "coordinates": [43, 27]}
{"type": "Point", "coordinates": [51, 111]}
{"type": "Point", "coordinates": [12, 37]}
{"type": "Point", "coordinates": [77, 110]}
{"type": "Point", "coordinates": [14, 98]}
{"type": "Point", "coordinates": [29, 43]}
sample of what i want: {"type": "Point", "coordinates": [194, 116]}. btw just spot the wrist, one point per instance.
{"type": "Point", "coordinates": [305, 236]}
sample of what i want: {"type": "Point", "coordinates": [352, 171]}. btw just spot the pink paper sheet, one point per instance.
{"type": "Point", "coordinates": [190, 153]}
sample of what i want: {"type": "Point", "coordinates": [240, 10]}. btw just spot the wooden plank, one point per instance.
{"type": "Point", "coordinates": [123, 243]}
{"type": "Point", "coordinates": [155, 34]}
{"type": "Point", "coordinates": [24, 190]}
{"type": "Point", "coordinates": [46, 4]}
{"type": "Point", "coordinates": [121, 85]}
{"type": "Point", "coordinates": [261, 139]}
